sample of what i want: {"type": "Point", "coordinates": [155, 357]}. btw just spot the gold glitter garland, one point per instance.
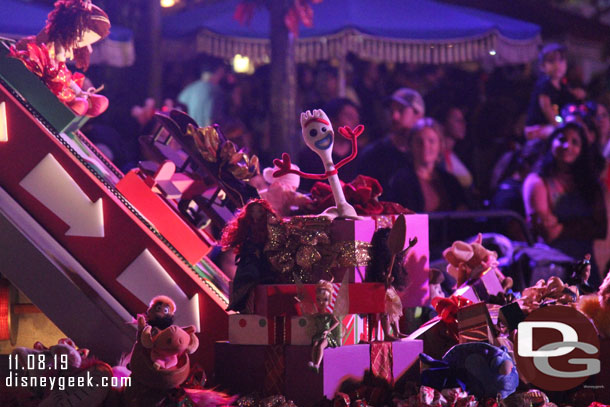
{"type": "Point", "coordinates": [302, 246]}
{"type": "Point", "coordinates": [223, 153]}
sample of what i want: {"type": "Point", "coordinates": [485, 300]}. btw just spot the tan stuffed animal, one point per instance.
{"type": "Point", "coordinates": [469, 260]}
{"type": "Point", "coordinates": [168, 345]}
{"type": "Point", "coordinates": [597, 307]}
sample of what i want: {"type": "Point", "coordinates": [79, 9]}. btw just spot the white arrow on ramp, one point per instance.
{"type": "Point", "coordinates": [146, 278]}
{"type": "Point", "coordinates": [3, 125]}
{"type": "Point", "coordinates": [54, 188]}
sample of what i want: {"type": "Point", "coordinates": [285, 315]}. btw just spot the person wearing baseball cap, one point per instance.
{"type": "Point", "coordinates": [382, 158]}
{"type": "Point", "coordinates": [407, 97]}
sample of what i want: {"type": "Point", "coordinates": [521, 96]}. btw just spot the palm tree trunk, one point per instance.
{"type": "Point", "coordinates": [283, 122]}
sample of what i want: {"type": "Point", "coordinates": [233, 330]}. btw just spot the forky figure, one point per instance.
{"type": "Point", "coordinates": [319, 136]}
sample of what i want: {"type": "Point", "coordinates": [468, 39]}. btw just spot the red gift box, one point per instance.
{"type": "Point", "coordinates": [279, 300]}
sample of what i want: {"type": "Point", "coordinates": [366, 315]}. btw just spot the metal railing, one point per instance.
{"type": "Point", "coordinates": [442, 225]}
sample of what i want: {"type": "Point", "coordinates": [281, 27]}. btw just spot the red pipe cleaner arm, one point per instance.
{"type": "Point", "coordinates": [284, 168]}
{"type": "Point", "coordinates": [352, 135]}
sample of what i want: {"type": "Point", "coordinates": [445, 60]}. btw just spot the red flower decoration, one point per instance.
{"type": "Point", "coordinates": [362, 193]}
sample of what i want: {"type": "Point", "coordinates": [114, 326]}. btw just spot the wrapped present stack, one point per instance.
{"type": "Point", "coordinates": [271, 347]}
{"type": "Point", "coordinates": [347, 335]}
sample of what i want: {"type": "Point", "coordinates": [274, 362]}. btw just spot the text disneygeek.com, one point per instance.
{"type": "Point", "coordinates": [63, 382]}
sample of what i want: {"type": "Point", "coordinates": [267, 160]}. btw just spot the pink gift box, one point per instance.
{"type": "Point", "coordinates": [282, 369]}
{"type": "Point", "coordinates": [340, 365]}
{"type": "Point", "coordinates": [405, 355]}
{"type": "Point", "coordinates": [351, 230]}
{"type": "Point", "coordinates": [416, 293]}
{"type": "Point", "coordinates": [418, 259]}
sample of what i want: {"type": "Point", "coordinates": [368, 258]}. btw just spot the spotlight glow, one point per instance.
{"type": "Point", "coordinates": [168, 3]}
{"type": "Point", "coordinates": [241, 64]}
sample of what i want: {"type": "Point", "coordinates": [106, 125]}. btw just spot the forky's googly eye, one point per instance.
{"type": "Point", "coordinates": [313, 132]}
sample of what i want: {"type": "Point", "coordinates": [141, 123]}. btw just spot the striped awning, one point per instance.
{"type": "Point", "coordinates": [409, 31]}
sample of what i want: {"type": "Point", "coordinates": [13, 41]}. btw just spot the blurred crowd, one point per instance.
{"type": "Point", "coordinates": [534, 139]}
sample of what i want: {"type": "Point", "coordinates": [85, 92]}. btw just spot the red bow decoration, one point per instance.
{"type": "Point", "coordinates": [447, 309]}
{"type": "Point", "coordinates": [362, 193]}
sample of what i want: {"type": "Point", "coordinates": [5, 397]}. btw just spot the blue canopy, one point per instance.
{"type": "Point", "coordinates": [419, 31]}
{"type": "Point", "coordinates": [20, 19]}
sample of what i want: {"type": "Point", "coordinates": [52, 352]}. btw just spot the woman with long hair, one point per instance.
{"type": "Point", "coordinates": [563, 199]}
{"type": "Point", "coordinates": [423, 185]}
